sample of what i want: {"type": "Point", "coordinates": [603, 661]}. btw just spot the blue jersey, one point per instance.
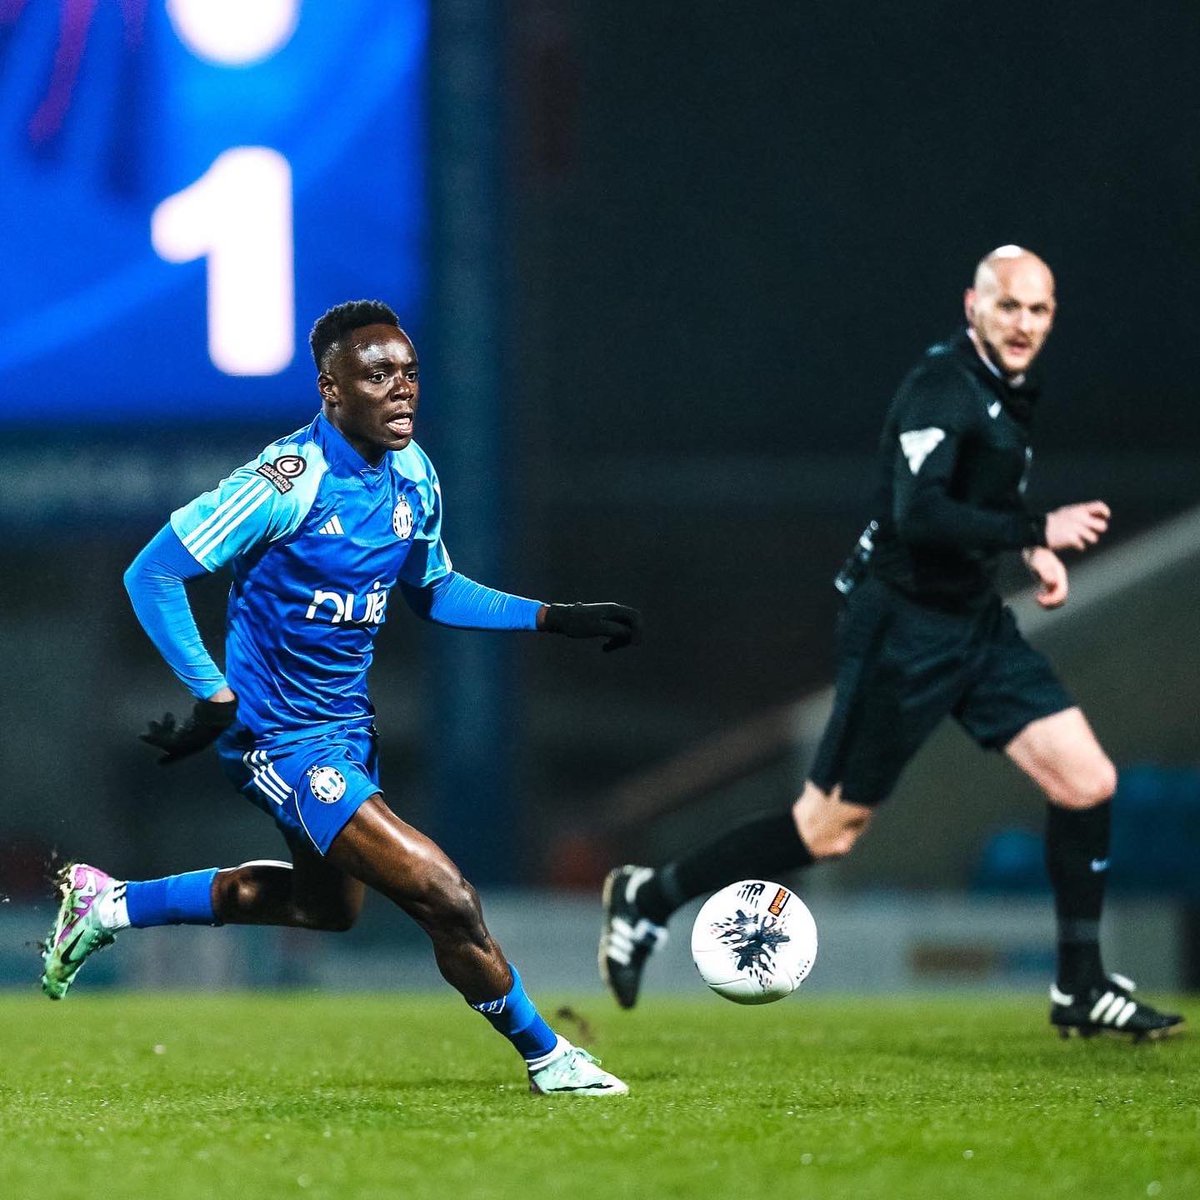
{"type": "Point", "coordinates": [317, 538]}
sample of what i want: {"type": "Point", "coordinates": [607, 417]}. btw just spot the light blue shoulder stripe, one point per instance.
{"type": "Point", "coordinates": [264, 500]}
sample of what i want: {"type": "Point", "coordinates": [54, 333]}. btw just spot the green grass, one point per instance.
{"type": "Point", "coordinates": [357, 1097]}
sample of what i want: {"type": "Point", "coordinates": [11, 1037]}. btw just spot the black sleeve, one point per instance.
{"type": "Point", "coordinates": [931, 421]}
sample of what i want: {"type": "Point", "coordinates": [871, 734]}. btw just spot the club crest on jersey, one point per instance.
{"type": "Point", "coordinates": [327, 783]}
{"type": "Point", "coordinates": [402, 519]}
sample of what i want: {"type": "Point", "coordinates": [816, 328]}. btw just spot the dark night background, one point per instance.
{"type": "Point", "coordinates": [723, 235]}
{"type": "Point", "coordinates": [735, 232]}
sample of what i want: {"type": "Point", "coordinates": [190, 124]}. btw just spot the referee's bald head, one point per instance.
{"type": "Point", "coordinates": [1006, 261]}
{"type": "Point", "coordinates": [1010, 308]}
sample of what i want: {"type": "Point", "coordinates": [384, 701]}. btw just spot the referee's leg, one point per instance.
{"type": "Point", "coordinates": [1061, 755]}
{"type": "Point", "coordinates": [828, 825]}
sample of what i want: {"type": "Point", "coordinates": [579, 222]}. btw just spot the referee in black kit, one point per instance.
{"type": "Point", "coordinates": [923, 636]}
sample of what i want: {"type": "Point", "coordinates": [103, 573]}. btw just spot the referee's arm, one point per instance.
{"type": "Point", "coordinates": [929, 439]}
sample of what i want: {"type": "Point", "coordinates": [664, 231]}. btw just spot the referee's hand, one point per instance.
{"type": "Point", "coordinates": [619, 624]}
{"type": "Point", "coordinates": [1076, 526]}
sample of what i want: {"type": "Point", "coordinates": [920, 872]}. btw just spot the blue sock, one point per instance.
{"type": "Point", "coordinates": [175, 900]}
{"type": "Point", "coordinates": [516, 1018]}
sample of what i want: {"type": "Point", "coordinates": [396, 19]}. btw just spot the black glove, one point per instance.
{"type": "Point", "coordinates": [621, 625]}
{"type": "Point", "coordinates": [209, 719]}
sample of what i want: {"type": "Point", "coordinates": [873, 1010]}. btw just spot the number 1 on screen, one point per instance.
{"type": "Point", "coordinates": [238, 215]}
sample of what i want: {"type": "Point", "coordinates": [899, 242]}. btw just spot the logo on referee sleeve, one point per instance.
{"type": "Point", "coordinates": [328, 784]}
{"type": "Point", "coordinates": [919, 444]}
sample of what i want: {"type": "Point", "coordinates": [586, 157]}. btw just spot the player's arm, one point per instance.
{"type": "Point", "coordinates": [933, 422]}
{"type": "Point", "coordinates": [156, 582]}
{"type": "Point", "coordinates": [242, 512]}
{"type": "Point", "coordinates": [436, 592]}
{"type": "Point", "coordinates": [1051, 575]}
{"type": "Point", "coordinates": [462, 603]}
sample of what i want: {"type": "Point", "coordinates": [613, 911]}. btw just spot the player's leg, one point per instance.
{"type": "Point", "coordinates": [1018, 704]}
{"type": "Point", "coordinates": [1061, 755]}
{"type": "Point", "coordinates": [307, 893]}
{"type": "Point", "coordinates": [391, 857]}
{"type": "Point", "coordinates": [95, 907]}
{"type": "Point", "coordinates": [639, 901]}
{"type": "Point", "coordinates": [310, 893]}
{"type": "Point", "coordinates": [819, 825]}
{"type": "Point", "coordinates": [873, 731]}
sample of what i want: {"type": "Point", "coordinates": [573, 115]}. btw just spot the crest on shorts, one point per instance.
{"type": "Point", "coordinates": [328, 784]}
{"type": "Point", "coordinates": [402, 519]}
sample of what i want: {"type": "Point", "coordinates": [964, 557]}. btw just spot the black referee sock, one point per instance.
{"type": "Point", "coordinates": [755, 850]}
{"type": "Point", "coordinates": [1077, 860]}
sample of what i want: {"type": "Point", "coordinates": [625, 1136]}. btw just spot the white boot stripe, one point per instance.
{"type": "Point", "coordinates": [1100, 1006]}
{"type": "Point", "coordinates": [1126, 1013]}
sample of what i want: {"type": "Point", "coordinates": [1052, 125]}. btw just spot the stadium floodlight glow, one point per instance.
{"type": "Point", "coordinates": [238, 215]}
{"type": "Point", "coordinates": [234, 33]}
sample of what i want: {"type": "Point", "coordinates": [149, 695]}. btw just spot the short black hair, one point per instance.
{"type": "Point", "coordinates": [333, 325]}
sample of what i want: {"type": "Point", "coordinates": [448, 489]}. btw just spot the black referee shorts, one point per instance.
{"type": "Point", "coordinates": [902, 667]}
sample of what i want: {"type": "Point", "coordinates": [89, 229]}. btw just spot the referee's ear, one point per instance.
{"type": "Point", "coordinates": [969, 304]}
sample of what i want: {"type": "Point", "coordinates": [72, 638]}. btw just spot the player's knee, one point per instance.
{"type": "Point", "coordinates": [248, 889]}
{"type": "Point", "coordinates": [1087, 789]}
{"type": "Point", "coordinates": [825, 828]}
{"type": "Point", "coordinates": [834, 842]}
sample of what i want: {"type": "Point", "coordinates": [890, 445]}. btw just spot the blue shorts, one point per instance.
{"type": "Point", "coordinates": [311, 788]}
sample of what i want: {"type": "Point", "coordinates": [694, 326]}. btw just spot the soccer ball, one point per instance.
{"type": "Point", "coordinates": [754, 942]}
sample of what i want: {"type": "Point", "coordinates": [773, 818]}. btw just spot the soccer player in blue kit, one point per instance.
{"type": "Point", "coordinates": [318, 530]}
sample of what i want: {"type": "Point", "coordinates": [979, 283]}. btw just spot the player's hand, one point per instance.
{"type": "Point", "coordinates": [1076, 526]}
{"type": "Point", "coordinates": [209, 719]}
{"type": "Point", "coordinates": [1048, 569]}
{"type": "Point", "coordinates": [622, 626]}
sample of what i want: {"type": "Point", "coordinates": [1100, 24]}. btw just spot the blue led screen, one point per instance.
{"type": "Point", "coordinates": [186, 185]}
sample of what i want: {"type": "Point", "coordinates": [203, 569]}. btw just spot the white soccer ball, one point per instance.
{"type": "Point", "coordinates": [754, 942]}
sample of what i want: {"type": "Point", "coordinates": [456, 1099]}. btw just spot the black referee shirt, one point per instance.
{"type": "Point", "coordinates": [954, 458]}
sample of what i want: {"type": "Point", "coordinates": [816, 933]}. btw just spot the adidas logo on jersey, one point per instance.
{"type": "Point", "coordinates": [333, 525]}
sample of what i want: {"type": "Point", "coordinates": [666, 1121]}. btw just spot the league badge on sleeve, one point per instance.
{"type": "Point", "coordinates": [282, 471]}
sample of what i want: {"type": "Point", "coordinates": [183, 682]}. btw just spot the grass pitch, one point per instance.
{"type": "Point", "coordinates": [358, 1098]}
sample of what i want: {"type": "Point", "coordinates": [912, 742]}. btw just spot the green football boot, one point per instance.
{"type": "Point", "coordinates": [77, 930]}
{"type": "Point", "coordinates": [574, 1072]}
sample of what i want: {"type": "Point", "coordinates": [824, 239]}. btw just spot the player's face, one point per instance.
{"type": "Point", "coordinates": [1011, 310]}
{"type": "Point", "coordinates": [370, 391]}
